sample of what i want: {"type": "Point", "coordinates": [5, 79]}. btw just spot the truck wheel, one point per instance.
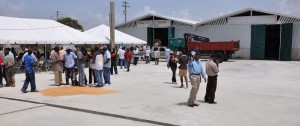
{"type": "Point", "coordinates": [220, 57]}
{"type": "Point", "coordinates": [226, 57]}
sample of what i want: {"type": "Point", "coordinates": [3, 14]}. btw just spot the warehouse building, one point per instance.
{"type": "Point", "coordinates": [263, 35]}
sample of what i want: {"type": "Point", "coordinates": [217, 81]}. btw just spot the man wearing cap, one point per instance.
{"type": "Point", "coordinates": [212, 70]}
{"type": "Point", "coordinates": [107, 65]}
{"type": "Point", "coordinates": [195, 70]}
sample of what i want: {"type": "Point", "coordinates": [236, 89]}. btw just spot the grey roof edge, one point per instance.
{"type": "Point", "coordinates": [160, 16]}
{"type": "Point", "coordinates": [242, 11]}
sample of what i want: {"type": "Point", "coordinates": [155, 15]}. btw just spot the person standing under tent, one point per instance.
{"type": "Point", "coordinates": [196, 70]}
{"type": "Point", "coordinates": [57, 66]}
{"type": "Point", "coordinates": [98, 66]}
{"type": "Point", "coordinates": [81, 66]}
{"type": "Point", "coordinates": [114, 62]}
{"type": "Point", "coordinates": [61, 53]}
{"type": "Point", "coordinates": [91, 68]}
{"type": "Point", "coordinates": [29, 71]}
{"type": "Point", "coordinates": [128, 57]}
{"type": "Point", "coordinates": [69, 64]}
{"type": "Point", "coordinates": [8, 64]}
{"type": "Point", "coordinates": [107, 65]}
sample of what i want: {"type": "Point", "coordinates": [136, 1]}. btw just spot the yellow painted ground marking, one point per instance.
{"type": "Point", "coordinates": [70, 91]}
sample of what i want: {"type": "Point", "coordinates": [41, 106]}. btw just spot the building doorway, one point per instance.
{"type": "Point", "coordinates": [272, 42]}
{"type": "Point", "coordinates": [161, 36]}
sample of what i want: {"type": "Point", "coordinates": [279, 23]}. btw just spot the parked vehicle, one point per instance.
{"type": "Point", "coordinates": [223, 50]}
{"type": "Point", "coordinates": [162, 50]}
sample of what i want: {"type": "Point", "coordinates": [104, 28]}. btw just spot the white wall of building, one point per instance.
{"type": "Point", "coordinates": [227, 33]}
{"type": "Point", "coordinates": [138, 32]}
{"type": "Point", "coordinates": [296, 42]}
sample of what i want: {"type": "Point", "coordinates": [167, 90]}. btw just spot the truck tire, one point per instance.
{"type": "Point", "coordinates": [226, 57]}
{"type": "Point", "coordinates": [220, 56]}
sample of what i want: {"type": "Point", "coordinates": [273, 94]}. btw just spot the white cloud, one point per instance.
{"type": "Point", "coordinates": [146, 10]}
{"type": "Point", "coordinates": [291, 7]}
{"type": "Point", "coordinates": [185, 14]}
{"type": "Point", "coordinates": [94, 19]}
{"type": "Point", "coordinates": [8, 8]}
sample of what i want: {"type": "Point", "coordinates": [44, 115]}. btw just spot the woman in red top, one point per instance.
{"type": "Point", "coordinates": [128, 57]}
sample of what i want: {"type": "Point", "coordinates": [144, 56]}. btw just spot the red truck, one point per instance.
{"type": "Point", "coordinates": [223, 50]}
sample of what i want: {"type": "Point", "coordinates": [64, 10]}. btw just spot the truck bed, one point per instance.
{"type": "Point", "coordinates": [215, 46]}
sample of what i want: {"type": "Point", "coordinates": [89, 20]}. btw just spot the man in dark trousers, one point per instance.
{"type": "Point", "coordinates": [30, 75]}
{"type": "Point", "coordinates": [212, 70]}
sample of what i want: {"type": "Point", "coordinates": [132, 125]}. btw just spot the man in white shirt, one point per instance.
{"type": "Point", "coordinates": [148, 56]}
{"type": "Point", "coordinates": [122, 58]}
{"type": "Point", "coordinates": [156, 56]}
{"type": "Point", "coordinates": [168, 52]}
{"type": "Point", "coordinates": [98, 66]}
{"type": "Point", "coordinates": [136, 55]}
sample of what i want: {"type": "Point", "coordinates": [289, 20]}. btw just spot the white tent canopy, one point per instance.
{"type": "Point", "coordinates": [102, 33]}
{"type": "Point", "coordinates": [38, 31]}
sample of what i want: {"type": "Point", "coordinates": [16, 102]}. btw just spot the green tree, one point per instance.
{"type": "Point", "coordinates": [73, 23]}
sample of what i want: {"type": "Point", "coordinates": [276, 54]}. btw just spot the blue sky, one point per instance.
{"type": "Point", "coordinates": [95, 12]}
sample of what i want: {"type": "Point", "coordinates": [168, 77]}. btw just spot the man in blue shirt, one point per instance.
{"type": "Point", "coordinates": [29, 69]}
{"type": "Point", "coordinates": [69, 59]}
{"type": "Point", "coordinates": [195, 69]}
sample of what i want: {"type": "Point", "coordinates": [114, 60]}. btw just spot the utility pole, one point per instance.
{"type": "Point", "coordinates": [112, 24]}
{"type": "Point", "coordinates": [57, 14]}
{"type": "Point", "coordinates": [125, 9]}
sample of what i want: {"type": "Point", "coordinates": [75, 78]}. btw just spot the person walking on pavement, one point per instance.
{"type": "Point", "coordinates": [69, 64]}
{"type": "Point", "coordinates": [147, 53]}
{"type": "Point", "coordinates": [29, 71]}
{"type": "Point", "coordinates": [173, 64]}
{"type": "Point", "coordinates": [122, 58]}
{"type": "Point", "coordinates": [81, 66]}
{"type": "Point", "coordinates": [9, 64]}
{"type": "Point", "coordinates": [98, 66]}
{"type": "Point", "coordinates": [107, 65]}
{"type": "Point", "coordinates": [183, 61]}
{"type": "Point", "coordinates": [128, 57]}
{"type": "Point", "coordinates": [168, 53]}
{"type": "Point", "coordinates": [136, 56]}
{"type": "Point", "coordinates": [195, 70]}
{"type": "Point", "coordinates": [212, 70]}
{"type": "Point", "coordinates": [156, 56]}
{"type": "Point", "coordinates": [114, 63]}
{"type": "Point", "coordinates": [57, 66]}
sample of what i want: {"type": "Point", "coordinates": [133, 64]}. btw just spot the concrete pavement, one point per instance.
{"type": "Point", "coordinates": [249, 93]}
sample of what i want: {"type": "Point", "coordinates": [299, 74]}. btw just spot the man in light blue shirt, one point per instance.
{"type": "Point", "coordinates": [196, 70]}
{"type": "Point", "coordinates": [69, 59]}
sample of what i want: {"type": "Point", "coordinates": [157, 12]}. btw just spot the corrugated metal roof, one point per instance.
{"type": "Point", "coordinates": [291, 18]}
{"type": "Point", "coordinates": [185, 21]}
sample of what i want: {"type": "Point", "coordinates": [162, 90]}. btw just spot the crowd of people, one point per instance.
{"type": "Point", "coordinates": [102, 63]}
